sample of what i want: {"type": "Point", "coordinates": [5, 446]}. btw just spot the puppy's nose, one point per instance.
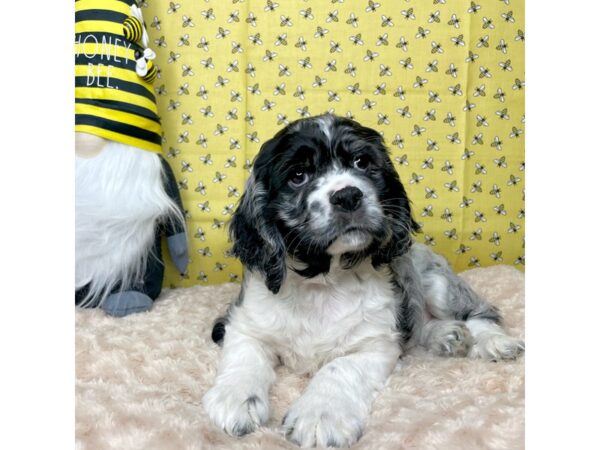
{"type": "Point", "coordinates": [347, 199]}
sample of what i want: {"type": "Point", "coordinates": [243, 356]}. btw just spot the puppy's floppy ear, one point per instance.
{"type": "Point", "coordinates": [396, 206]}
{"type": "Point", "coordinates": [256, 238]}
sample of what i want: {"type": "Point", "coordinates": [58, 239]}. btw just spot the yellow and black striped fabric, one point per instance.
{"type": "Point", "coordinates": [111, 100]}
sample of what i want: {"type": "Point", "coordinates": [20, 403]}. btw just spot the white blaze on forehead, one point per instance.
{"type": "Point", "coordinates": [333, 181]}
{"type": "Point", "coordinates": [325, 124]}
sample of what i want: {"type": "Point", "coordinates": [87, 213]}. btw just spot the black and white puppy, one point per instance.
{"type": "Point", "coordinates": [334, 286]}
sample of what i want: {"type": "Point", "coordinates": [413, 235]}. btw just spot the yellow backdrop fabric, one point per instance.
{"type": "Point", "coordinates": [442, 80]}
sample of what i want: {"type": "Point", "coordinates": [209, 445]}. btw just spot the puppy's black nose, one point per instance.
{"type": "Point", "coordinates": [347, 199]}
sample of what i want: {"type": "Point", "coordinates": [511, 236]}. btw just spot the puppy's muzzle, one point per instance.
{"type": "Point", "coordinates": [347, 199]}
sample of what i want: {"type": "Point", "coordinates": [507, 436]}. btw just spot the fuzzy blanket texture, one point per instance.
{"type": "Point", "coordinates": [140, 381]}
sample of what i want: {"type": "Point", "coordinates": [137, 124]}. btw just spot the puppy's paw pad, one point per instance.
{"type": "Point", "coordinates": [322, 426]}
{"type": "Point", "coordinates": [451, 339]}
{"type": "Point", "coordinates": [497, 347]}
{"type": "Point", "coordinates": [235, 412]}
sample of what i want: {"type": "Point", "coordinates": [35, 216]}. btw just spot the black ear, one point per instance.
{"type": "Point", "coordinates": [256, 238]}
{"type": "Point", "coordinates": [396, 206]}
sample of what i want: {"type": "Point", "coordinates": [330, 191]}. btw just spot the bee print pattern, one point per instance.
{"type": "Point", "coordinates": [442, 81]}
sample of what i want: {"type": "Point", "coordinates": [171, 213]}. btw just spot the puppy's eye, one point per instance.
{"type": "Point", "coordinates": [361, 162]}
{"type": "Point", "coordinates": [298, 178]}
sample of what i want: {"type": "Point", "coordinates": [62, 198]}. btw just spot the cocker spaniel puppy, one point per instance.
{"type": "Point", "coordinates": [334, 286]}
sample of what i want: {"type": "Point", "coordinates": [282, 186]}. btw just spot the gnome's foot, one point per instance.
{"type": "Point", "coordinates": [124, 303]}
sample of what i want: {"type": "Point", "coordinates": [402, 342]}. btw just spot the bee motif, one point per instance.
{"type": "Point", "coordinates": [207, 112]}
{"type": "Point", "coordinates": [480, 217]}
{"type": "Point", "coordinates": [202, 277]}
{"type": "Point", "coordinates": [372, 6]}
{"type": "Point", "coordinates": [417, 130]}
{"type": "Point", "coordinates": [284, 71]}
{"type": "Point", "coordinates": [495, 191]}
{"type": "Point", "coordinates": [332, 96]}
{"type": "Point", "coordinates": [474, 8]}
{"type": "Point", "coordinates": [173, 152]}
{"type": "Point", "coordinates": [222, 33]}
{"type": "Point", "coordinates": [307, 13]}
{"type": "Point", "coordinates": [453, 138]}
{"type": "Point", "coordinates": [402, 43]}
{"type": "Point", "coordinates": [279, 89]}
{"type": "Point", "coordinates": [408, 14]}
{"type": "Point", "coordinates": [386, 21]}
{"type": "Point", "coordinates": [454, 21]}
{"type": "Point", "coordinates": [231, 114]}
{"type": "Point", "coordinates": [481, 121]}
{"type": "Point", "coordinates": [404, 112]}
{"type": "Point", "coordinates": [455, 90]}
{"type": "Point", "coordinates": [458, 41]}
{"type": "Point", "coordinates": [234, 144]}
{"type": "Point", "coordinates": [434, 17]}
{"type": "Point", "coordinates": [332, 16]}
{"type": "Point", "coordinates": [476, 187]}
{"type": "Point", "coordinates": [183, 40]}
{"type": "Point", "coordinates": [434, 97]}
{"type": "Point", "coordinates": [251, 19]}
{"type": "Point", "coordinates": [406, 63]}
{"type": "Point", "coordinates": [447, 215]}
{"type": "Point", "coordinates": [500, 210]}
{"type": "Point", "coordinates": [430, 115]}
{"type": "Point", "coordinates": [200, 234]}
{"type": "Point", "coordinates": [186, 166]}
{"type": "Point", "coordinates": [399, 142]}
{"type": "Point", "coordinates": [355, 88]}
{"type": "Point", "coordinates": [255, 39]}
{"type": "Point", "coordinates": [205, 251]}
{"type": "Point", "coordinates": [495, 239]}
{"type": "Point", "coordinates": [496, 143]}
{"type": "Point", "coordinates": [271, 6]}
{"type": "Point", "coordinates": [452, 70]}
{"type": "Point", "coordinates": [303, 111]}
{"type": "Point", "coordinates": [301, 44]}
{"type": "Point", "coordinates": [513, 180]}
{"type": "Point", "coordinates": [466, 202]}
{"type": "Point", "coordinates": [299, 92]}
{"type": "Point", "coordinates": [220, 130]}
{"type": "Point", "coordinates": [207, 63]}
{"type": "Point", "coordinates": [331, 66]}
{"type": "Point", "coordinates": [173, 105]}
{"type": "Point", "coordinates": [219, 177]}
{"type": "Point", "coordinates": [370, 56]}
{"type": "Point", "coordinates": [508, 17]}
{"type": "Point", "coordinates": [382, 119]}
{"type": "Point", "coordinates": [380, 89]}
{"type": "Point", "coordinates": [506, 65]}
{"type": "Point", "coordinates": [186, 119]}
{"type": "Point", "coordinates": [350, 70]}
{"type": "Point", "coordinates": [400, 92]}
{"type": "Point", "coordinates": [335, 47]}
{"type": "Point", "coordinates": [432, 66]}
{"type": "Point", "coordinates": [520, 37]}
{"type": "Point", "coordinates": [462, 249]}
{"type": "Point", "coordinates": [488, 23]}
{"type": "Point", "coordinates": [451, 234]}
{"type": "Point", "coordinates": [475, 235]}
{"type": "Point", "coordinates": [427, 211]}
{"type": "Point", "coordinates": [202, 141]}
{"type": "Point", "coordinates": [173, 7]}
{"type": "Point", "coordinates": [436, 47]}
{"type": "Point", "coordinates": [285, 21]}
{"type": "Point", "coordinates": [483, 41]}
{"type": "Point", "coordinates": [219, 267]}
{"type": "Point", "coordinates": [429, 240]}
{"type": "Point", "coordinates": [217, 224]}
{"type": "Point", "coordinates": [467, 154]}
{"type": "Point", "coordinates": [474, 262]}
{"type": "Point", "coordinates": [484, 72]}
{"type": "Point", "coordinates": [228, 209]}
{"type": "Point", "coordinates": [430, 193]}
{"type": "Point", "coordinates": [203, 44]}
{"type": "Point", "coordinates": [352, 20]}
{"type": "Point", "coordinates": [432, 145]}
{"type": "Point", "coordinates": [319, 81]}
{"type": "Point", "coordinates": [480, 169]}
{"type": "Point", "coordinates": [282, 119]}
{"type": "Point", "coordinates": [415, 178]}
{"type": "Point", "coordinates": [427, 164]}
{"type": "Point", "coordinates": [472, 57]}
{"type": "Point", "coordinates": [253, 137]}
{"type": "Point", "coordinates": [321, 32]}
{"type": "Point", "coordinates": [186, 71]}
{"type": "Point", "coordinates": [233, 16]}
{"type": "Point", "coordinates": [513, 228]}
{"type": "Point", "coordinates": [382, 40]}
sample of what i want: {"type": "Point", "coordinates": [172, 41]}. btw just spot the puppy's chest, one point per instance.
{"type": "Point", "coordinates": [313, 321]}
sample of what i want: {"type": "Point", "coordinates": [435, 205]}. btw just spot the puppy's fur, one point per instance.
{"type": "Point", "coordinates": [334, 286]}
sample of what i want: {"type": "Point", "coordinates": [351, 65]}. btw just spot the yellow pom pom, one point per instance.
{"type": "Point", "coordinates": [152, 72]}
{"type": "Point", "coordinates": [132, 29]}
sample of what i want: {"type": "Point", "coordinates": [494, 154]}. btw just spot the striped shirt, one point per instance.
{"type": "Point", "coordinates": [111, 100]}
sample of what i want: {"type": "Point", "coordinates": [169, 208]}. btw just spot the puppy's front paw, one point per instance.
{"type": "Point", "coordinates": [320, 421]}
{"type": "Point", "coordinates": [235, 410]}
{"type": "Point", "coordinates": [496, 347]}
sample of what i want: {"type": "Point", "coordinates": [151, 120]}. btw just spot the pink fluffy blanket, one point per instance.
{"type": "Point", "coordinates": [140, 381]}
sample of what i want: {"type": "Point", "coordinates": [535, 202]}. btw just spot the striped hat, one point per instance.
{"type": "Point", "coordinates": [112, 99]}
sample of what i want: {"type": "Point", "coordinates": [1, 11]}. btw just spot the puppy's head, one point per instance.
{"type": "Point", "coordinates": [322, 187]}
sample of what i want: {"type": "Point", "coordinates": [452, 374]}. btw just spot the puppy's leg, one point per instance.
{"type": "Point", "coordinates": [333, 409]}
{"type": "Point", "coordinates": [238, 401]}
{"type": "Point", "coordinates": [446, 337]}
{"type": "Point", "coordinates": [449, 297]}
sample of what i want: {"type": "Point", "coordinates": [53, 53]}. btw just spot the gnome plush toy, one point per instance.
{"type": "Point", "coordinates": [126, 197]}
